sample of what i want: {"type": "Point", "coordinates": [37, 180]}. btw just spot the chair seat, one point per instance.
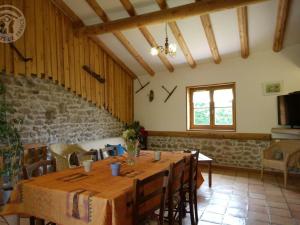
{"type": "Point", "coordinates": [274, 164]}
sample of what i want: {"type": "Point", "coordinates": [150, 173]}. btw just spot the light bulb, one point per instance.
{"type": "Point", "coordinates": [172, 48]}
{"type": "Point", "coordinates": [154, 51]}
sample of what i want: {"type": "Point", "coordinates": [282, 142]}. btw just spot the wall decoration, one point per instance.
{"type": "Point", "coordinates": [93, 74]}
{"type": "Point", "coordinates": [151, 95]}
{"type": "Point", "coordinates": [272, 88]}
{"type": "Point", "coordinates": [169, 92]}
{"type": "Point", "coordinates": [142, 86]}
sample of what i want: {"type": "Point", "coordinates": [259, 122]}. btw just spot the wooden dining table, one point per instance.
{"type": "Point", "coordinates": [75, 197]}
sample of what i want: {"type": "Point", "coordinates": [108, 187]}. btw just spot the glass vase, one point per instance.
{"type": "Point", "coordinates": [131, 152]}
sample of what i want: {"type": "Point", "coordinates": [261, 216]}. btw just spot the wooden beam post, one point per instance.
{"type": "Point", "coordinates": [146, 33]}
{"type": "Point", "coordinates": [242, 15]}
{"type": "Point", "coordinates": [125, 42]}
{"type": "Point", "coordinates": [166, 15]}
{"type": "Point", "coordinates": [282, 16]}
{"type": "Point", "coordinates": [205, 19]}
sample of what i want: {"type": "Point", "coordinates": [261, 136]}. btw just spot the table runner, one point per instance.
{"type": "Point", "coordinates": [97, 198]}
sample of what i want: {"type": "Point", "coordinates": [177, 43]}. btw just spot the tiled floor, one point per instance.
{"type": "Point", "coordinates": [241, 198]}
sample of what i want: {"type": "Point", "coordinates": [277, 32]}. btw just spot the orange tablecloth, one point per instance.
{"type": "Point", "coordinates": [75, 197]}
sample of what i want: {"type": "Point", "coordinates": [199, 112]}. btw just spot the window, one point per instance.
{"type": "Point", "coordinates": [211, 107]}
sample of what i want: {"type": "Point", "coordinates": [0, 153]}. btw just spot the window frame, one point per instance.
{"type": "Point", "coordinates": [211, 88]}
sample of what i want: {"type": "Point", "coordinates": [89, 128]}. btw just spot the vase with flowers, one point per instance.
{"type": "Point", "coordinates": [131, 140]}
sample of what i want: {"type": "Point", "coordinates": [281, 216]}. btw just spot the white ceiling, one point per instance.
{"type": "Point", "coordinates": [261, 17]}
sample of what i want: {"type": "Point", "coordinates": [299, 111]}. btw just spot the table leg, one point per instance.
{"type": "Point", "coordinates": [209, 175]}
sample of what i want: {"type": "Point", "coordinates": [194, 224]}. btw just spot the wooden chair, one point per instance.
{"type": "Point", "coordinates": [37, 169]}
{"type": "Point", "coordinates": [149, 196]}
{"type": "Point", "coordinates": [108, 152]}
{"type": "Point", "coordinates": [175, 192]}
{"type": "Point", "coordinates": [190, 186]}
{"type": "Point", "coordinates": [75, 157]}
{"type": "Point", "coordinates": [289, 156]}
{"type": "Point", "coordinates": [34, 153]}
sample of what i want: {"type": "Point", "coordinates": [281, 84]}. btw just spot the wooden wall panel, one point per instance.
{"type": "Point", "coordinates": [18, 64]}
{"type": "Point", "coordinates": [59, 54]}
{"type": "Point", "coordinates": [53, 45]}
{"type": "Point", "coordinates": [47, 39]}
{"type": "Point", "coordinates": [39, 37]}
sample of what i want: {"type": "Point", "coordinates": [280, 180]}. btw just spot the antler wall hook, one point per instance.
{"type": "Point", "coordinates": [93, 74]}
{"type": "Point", "coordinates": [24, 59]}
{"type": "Point", "coordinates": [169, 92]}
{"type": "Point", "coordinates": [142, 86]}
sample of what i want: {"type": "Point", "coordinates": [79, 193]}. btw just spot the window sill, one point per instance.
{"type": "Point", "coordinates": [211, 130]}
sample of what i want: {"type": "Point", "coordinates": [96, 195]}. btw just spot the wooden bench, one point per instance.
{"type": "Point", "coordinates": [202, 159]}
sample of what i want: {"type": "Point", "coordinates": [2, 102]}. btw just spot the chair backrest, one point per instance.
{"type": "Point", "coordinates": [39, 168]}
{"type": "Point", "coordinates": [191, 169]}
{"type": "Point", "coordinates": [34, 153]}
{"type": "Point", "coordinates": [149, 196]}
{"type": "Point", "coordinates": [175, 186]}
{"type": "Point", "coordinates": [176, 177]}
{"type": "Point", "coordinates": [108, 152]}
{"type": "Point", "coordinates": [76, 157]}
{"type": "Point", "coordinates": [194, 169]}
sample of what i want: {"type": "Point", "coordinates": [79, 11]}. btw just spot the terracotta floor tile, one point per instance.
{"type": "Point", "coordinates": [206, 223]}
{"type": "Point", "coordinates": [296, 214]}
{"type": "Point", "coordinates": [282, 220]}
{"type": "Point", "coordinates": [279, 205]}
{"type": "Point", "coordinates": [212, 217]}
{"type": "Point", "coordinates": [219, 201]}
{"type": "Point", "coordinates": [231, 220]}
{"type": "Point", "coordinates": [280, 212]}
{"type": "Point", "coordinates": [258, 208]}
{"type": "Point", "coordinates": [258, 216]}
{"type": "Point", "coordinates": [254, 201]}
{"type": "Point", "coordinates": [237, 212]}
{"type": "Point", "coordinates": [238, 204]}
{"type": "Point", "coordinates": [216, 209]}
{"type": "Point", "coordinates": [255, 222]}
{"type": "Point", "coordinates": [294, 207]}
{"type": "Point", "coordinates": [257, 196]}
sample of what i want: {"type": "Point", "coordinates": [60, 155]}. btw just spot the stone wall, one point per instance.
{"type": "Point", "coordinates": [52, 114]}
{"type": "Point", "coordinates": [226, 152]}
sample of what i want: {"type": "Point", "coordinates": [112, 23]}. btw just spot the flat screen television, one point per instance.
{"type": "Point", "coordinates": [289, 109]}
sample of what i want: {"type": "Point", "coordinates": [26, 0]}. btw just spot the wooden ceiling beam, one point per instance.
{"type": "Point", "coordinates": [148, 36]}
{"type": "Point", "coordinates": [282, 16]}
{"type": "Point", "coordinates": [166, 15]}
{"type": "Point", "coordinates": [77, 21]}
{"type": "Point", "coordinates": [177, 34]}
{"type": "Point", "coordinates": [242, 15]}
{"type": "Point", "coordinates": [124, 41]}
{"type": "Point", "coordinates": [210, 36]}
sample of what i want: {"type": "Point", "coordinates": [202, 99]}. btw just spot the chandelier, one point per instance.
{"type": "Point", "coordinates": [168, 49]}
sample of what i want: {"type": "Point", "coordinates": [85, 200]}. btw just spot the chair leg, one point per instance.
{"type": "Point", "coordinates": [285, 173]}
{"type": "Point", "coordinates": [196, 205]}
{"type": "Point", "coordinates": [170, 212]}
{"type": "Point", "coordinates": [191, 205]}
{"type": "Point", "coordinates": [31, 220]}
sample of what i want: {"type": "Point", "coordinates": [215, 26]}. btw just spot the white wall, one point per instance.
{"type": "Point", "coordinates": [255, 112]}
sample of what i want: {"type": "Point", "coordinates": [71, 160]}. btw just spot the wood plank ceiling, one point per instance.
{"type": "Point", "coordinates": [165, 11]}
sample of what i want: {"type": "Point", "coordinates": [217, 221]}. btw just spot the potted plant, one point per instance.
{"type": "Point", "coordinates": [11, 150]}
{"type": "Point", "coordinates": [141, 133]}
